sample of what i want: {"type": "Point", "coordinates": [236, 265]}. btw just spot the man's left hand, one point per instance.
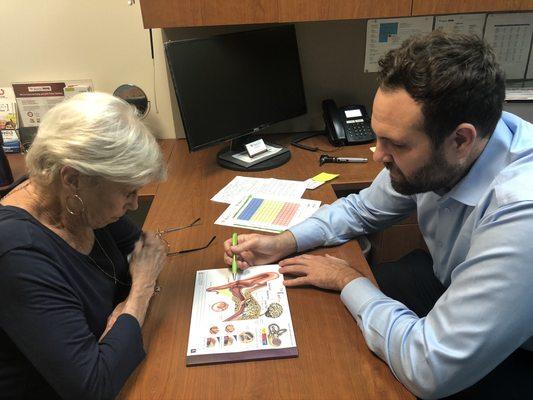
{"type": "Point", "coordinates": [326, 272]}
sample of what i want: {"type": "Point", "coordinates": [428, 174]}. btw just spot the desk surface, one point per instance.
{"type": "Point", "coordinates": [333, 361]}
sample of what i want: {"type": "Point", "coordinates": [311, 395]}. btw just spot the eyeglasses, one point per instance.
{"type": "Point", "coordinates": [160, 233]}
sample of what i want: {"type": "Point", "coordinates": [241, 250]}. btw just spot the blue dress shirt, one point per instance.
{"type": "Point", "coordinates": [477, 235]}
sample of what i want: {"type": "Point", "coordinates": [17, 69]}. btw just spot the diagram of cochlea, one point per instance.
{"type": "Point", "coordinates": [242, 294]}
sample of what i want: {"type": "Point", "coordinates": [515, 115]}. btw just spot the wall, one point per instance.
{"type": "Point", "coordinates": [103, 40]}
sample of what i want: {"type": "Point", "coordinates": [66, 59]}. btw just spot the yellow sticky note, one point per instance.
{"type": "Point", "coordinates": [324, 177]}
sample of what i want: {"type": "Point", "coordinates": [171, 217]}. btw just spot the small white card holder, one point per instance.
{"type": "Point", "coordinates": [256, 147]}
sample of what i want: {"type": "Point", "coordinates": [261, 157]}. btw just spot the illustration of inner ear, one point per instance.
{"type": "Point", "coordinates": [246, 307]}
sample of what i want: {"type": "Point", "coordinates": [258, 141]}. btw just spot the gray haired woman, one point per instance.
{"type": "Point", "coordinates": [72, 305]}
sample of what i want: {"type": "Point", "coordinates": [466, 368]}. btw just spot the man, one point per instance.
{"type": "Point", "coordinates": [441, 322]}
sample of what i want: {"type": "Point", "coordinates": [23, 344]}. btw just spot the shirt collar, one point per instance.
{"type": "Point", "coordinates": [491, 161]}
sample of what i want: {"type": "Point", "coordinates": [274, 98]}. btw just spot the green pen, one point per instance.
{"type": "Point", "coordinates": [234, 242]}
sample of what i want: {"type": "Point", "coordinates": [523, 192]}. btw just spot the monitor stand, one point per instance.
{"type": "Point", "coordinates": [236, 158]}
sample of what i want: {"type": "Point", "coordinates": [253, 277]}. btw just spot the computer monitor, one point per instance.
{"type": "Point", "coordinates": [230, 86]}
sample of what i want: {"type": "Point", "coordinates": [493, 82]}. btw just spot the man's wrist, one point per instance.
{"type": "Point", "coordinates": [287, 244]}
{"type": "Point", "coordinates": [348, 277]}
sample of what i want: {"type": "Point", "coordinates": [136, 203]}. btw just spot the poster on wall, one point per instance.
{"type": "Point", "coordinates": [243, 319]}
{"type": "Point", "coordinates": [510, 37]}
{"type": "Point", "coordinates": [383, 35]}
{"type": "Point", "coordinates": [466, 24]}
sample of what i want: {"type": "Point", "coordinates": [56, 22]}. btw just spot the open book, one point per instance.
{"type": "Point", "coordinates": [245, 319]}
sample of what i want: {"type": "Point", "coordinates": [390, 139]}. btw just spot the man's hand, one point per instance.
{"type": "Point", "coordinates": [326, 272]}
{"type": "Point", "coordinates": [256, 249]}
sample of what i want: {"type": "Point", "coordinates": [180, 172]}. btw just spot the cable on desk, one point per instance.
{"type": "Point", "coordinates": [308, 135]}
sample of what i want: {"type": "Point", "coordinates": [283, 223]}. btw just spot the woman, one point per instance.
{"type": "Point", "coordinates": [72, 306]}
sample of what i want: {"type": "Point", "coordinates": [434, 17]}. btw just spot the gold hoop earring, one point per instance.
{"type": "Point", "coordinates": [69, 208]}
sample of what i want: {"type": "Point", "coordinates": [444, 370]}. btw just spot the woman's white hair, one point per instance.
{"type": "Point", "coordinates": [99, 135]}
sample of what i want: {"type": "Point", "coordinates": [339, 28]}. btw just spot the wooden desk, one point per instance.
{"type": "Point", "coordinates": [333, 362]}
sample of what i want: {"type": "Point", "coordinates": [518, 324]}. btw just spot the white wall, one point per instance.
{"type": "Point", "coordinates": [103, 40]}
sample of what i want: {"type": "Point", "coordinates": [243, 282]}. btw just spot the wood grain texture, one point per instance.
{"type": "Point", "coordinates": [427, 7]}
{"type": "Point", "coordinates": [395, 242]}
{"type": "Point", "coordinates": [182, 13]}
{"type": "Point", "coordinates": [319, 10]}
{"type": "Point", "coordinates": [333, 362]}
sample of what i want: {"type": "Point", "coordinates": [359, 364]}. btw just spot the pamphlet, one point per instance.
{"type": "Point", "coordinates": [8, 109]}
{"type": "Point", "coordinates": [34, 99]}
{"type": "Point", "coordinates": [245, 319]}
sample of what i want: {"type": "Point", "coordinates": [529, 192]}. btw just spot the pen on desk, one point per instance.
{"type": "Point", "coordinates": [234, 242]}
{"type": "Point", "coordinates": [351, 159]}
{"type": "Point", "coordinates": [324, 158]}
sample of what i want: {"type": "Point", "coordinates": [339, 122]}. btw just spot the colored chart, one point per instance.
{"type": "Point", "coordinates": [273, 212]}
{"type": "Point", "coordinates": [269, 214]}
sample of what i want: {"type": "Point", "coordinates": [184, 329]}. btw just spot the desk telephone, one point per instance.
{"type": "Point", "coordinates": [346, 125]}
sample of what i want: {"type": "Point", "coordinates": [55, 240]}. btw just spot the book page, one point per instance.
{"type": "Point", "coordinates": [248, 318]}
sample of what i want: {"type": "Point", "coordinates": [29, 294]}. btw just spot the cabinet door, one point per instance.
{"type": "Point", "coordinates": [425, 7]}
{"type": "Point", "coordinates": [181, 13]}
{"type": "Point", "coordinates": [318, 10]}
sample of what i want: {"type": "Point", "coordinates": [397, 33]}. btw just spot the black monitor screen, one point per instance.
{"type": "Point", "coordinates": [235, 84]}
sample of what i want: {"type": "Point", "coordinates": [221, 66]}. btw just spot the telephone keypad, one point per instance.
{"type": "Point", "coordinates": [358, 131]}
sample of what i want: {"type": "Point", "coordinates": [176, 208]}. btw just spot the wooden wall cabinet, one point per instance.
{"type": "Point", "coordinates": [430, 7]}
{"type": "Point", "coordinates": [320, 10]}
{"type": "Point", "coordinates": [184, 13]}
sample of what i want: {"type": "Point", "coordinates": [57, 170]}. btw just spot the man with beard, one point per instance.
{"type": "Point", "coordinates": [456, 322]}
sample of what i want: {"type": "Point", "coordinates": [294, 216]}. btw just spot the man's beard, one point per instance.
{"type": "Point", "coordinates": [436, 175]}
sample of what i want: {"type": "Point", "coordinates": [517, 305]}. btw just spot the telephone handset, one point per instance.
{"type": "Point", "coordinates": [346, 125]}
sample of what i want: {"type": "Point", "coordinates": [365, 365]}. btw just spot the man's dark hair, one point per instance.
{"type": "Point", "coordinates": [454, 77]}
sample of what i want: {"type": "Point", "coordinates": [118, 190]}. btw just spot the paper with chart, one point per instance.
{"type": "Point", "coordinates": [383, 35]}
{"type": "Point", "coordinates": [269, 214]}
{"type": "Point", "coordinates": [510, 37]}
{"type": "Point", "coordinates": [245, 319]}
{"type": "Point", "coordinates": [461, 23]}
{"type": "Point", "coordinates": [242, 185]}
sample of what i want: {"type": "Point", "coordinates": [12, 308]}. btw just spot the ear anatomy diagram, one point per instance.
{"type": "Point", "coordinates": [274, 310]}
{"type": "Point", "coordinates": [246, 307]}
{"type": "Point", "coordinates": [244, 319]}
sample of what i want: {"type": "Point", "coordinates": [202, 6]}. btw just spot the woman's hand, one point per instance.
{"type": "Point", "coordinates": [147, 261]}
{"type": "Point", "coordinates": [256, 249]}
{"type": "Point", "coordinates": [326, 272]}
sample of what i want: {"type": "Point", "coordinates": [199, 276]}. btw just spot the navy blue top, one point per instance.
{"type": "Point", "coordinates": [54, 305]}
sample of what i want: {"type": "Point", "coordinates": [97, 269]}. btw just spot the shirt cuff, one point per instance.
{"type": "Point", "coordinates": [357, 294]}
{"type": "Point", "coordinates": [308, 235]}
{"type": "Point", "coordinates": [125, 338]}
